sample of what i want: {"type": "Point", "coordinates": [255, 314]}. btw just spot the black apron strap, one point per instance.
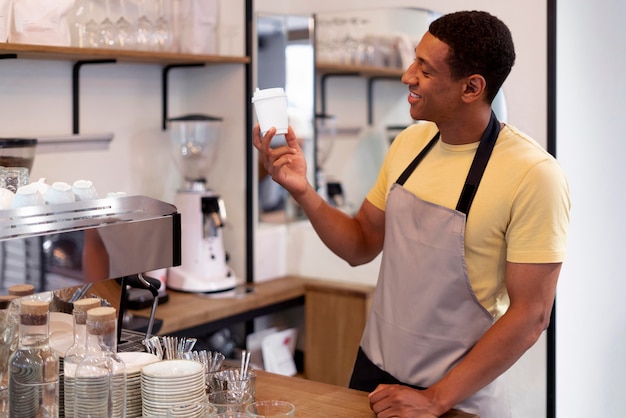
{"type": "Point", "coordinates": [411, 167]}
{"type": "Point", "coordinates": [485, 147]}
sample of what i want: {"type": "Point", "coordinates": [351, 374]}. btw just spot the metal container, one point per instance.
{"type": "Point", "coordinates": [98, 239]}
{"type": "Point", "coordinates": [17, 152]}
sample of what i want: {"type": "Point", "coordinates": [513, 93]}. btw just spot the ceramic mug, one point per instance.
{"type": "Point", "coordinates": [59, 192]}
{"type": "Point", "coordinates": [27, 196]}
{"type": "Point", "coordinates": [84, 190]}
{"type": "Point", "coordinates": [6, 198]}
{"type": "Point", "coordinates": [41, 185]}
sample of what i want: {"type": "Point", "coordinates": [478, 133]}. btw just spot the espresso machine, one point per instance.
{"type": "Point", "coordinates": [194, 139]}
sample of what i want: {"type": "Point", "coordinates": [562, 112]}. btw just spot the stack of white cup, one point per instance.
{"type": "Point", "coordinates": [40, 193]}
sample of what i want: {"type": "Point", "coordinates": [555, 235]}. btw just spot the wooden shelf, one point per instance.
{"type": "Point", "coordinates": [364, 71]}
{"type": "Point", "coordinates": [83, 54]}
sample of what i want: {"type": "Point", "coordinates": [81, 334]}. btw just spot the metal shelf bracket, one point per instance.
{"type": "Point", "coordinates": [76, 87]}
{"type": "Point", "coordinates": [371, 80]}
{"type": "Point", "coordinates": [165, 87]}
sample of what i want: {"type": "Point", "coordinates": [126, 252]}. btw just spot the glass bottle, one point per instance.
{"type": "Point", "coordinates": [8, 335]}
{"type": "Point", "coordinates": [100, 379]}
{"type": "Point", "coordinates": [76, 353]}
{"type": "Point", "coordinates": [33, 367]}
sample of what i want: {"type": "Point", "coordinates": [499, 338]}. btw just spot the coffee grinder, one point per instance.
{"type": "Point", "coordinates": [194, 140]}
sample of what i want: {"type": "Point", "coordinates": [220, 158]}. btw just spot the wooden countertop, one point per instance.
{"type": "Point", "coordinates": [315, 399]}
{"type": "Point", "coordinates": [312, 399]}
{"type": "Point", "coordinates": [187, 310]}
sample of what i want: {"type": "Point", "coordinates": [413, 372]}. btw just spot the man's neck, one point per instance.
{"type": "Point", "coordinates": [466, 128]}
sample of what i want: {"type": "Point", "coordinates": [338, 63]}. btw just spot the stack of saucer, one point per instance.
{"type": "Point", "coordinates": [134, 361]}
{"type": "Point", "coordinates": [171, 382]}
{"type": "Point", "coordinates": [92, 390]}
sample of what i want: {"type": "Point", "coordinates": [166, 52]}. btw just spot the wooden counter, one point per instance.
{"type": "Point", "coordinates": [312, 398]}
{"type": "Point", "coordinates": [315, 399]}
{"type": "Point", "coordinates": [188, 310]}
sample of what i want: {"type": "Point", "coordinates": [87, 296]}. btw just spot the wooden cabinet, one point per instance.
{"type": "Point", "coordinates": [335, 317]}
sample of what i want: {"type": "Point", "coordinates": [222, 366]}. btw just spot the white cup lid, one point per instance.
{"type": "Point", "coordinates": [265, 93]}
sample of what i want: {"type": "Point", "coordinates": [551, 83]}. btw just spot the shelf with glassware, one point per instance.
{"type": "Point", "coordinates": [47, 52]}
{"type": "Point", "coordinates": [82, 56]}
{"type": "Point", "coordinates": [327, 70]}
{"type": "Point", "coordinates": [360, 70]}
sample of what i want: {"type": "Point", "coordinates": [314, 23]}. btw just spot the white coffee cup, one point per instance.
{"type": "Point", "coordinates": [84, 190]}
{"type": "Point", "coordinates": [41, 185]}
{"type": "Point", "coordinates": [27, 196]}
{"type": "Point", "coordinates": [6, 198]}
{"type": "Point", "coordinates": [271, 109]}
{"type": "Point", "coordinates": [59, 192]}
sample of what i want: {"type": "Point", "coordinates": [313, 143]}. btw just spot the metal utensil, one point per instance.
{"type": "Point", "coordinates": [80, 292]}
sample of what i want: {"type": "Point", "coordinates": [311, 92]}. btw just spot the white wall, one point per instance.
{"type": "Point", "coordinates": [591, 145]}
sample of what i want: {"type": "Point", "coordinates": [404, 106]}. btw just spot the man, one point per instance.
{"type": "Point", "coordinates": [461, 294]}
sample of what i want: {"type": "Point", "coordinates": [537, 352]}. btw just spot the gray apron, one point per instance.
{"type": "Point", "coordinates": [425, 316]}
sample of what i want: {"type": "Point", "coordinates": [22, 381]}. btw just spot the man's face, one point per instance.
{"type": "Point", "coordinates": [434, 95]}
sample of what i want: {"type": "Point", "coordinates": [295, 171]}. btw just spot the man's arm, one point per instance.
{"type": "Point", "coordinates": [357, 239]}
{"type": "Point", "coordinates": [531, 289]}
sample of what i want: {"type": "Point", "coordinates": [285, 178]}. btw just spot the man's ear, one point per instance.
{"type": "Point", "coordinates": [474, 88]}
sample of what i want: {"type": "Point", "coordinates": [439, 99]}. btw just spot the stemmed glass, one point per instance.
{"type": "Point", "coordinates": [108, 31]}
{"type": "Point", "coordinates": [162, 29]}
{"type": "Point", "coordinates": [125, 30]}
{"type": "Point", "coordinates": [91, 29]}
{"type": "Point", "coordinates": [144, 30]}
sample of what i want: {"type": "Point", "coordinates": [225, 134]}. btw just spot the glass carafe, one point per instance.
{"type": "Point", "coordinates": [76, 353]}
{"type": "Point", "coordinates": [33, 367]}
{"type": "Point", "coordinates": [100, 379]}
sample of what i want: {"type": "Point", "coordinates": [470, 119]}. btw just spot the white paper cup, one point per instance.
{"type": "Point", "coordinates": [271, 109]}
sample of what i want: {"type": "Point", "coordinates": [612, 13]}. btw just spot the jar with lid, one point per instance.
{"type": "Point", "coordinates": [17, 293]}
{"type": "Point", "coordinates": [76, 353]}
{"type": "Point", "coordinates": [100, 378]}
{"type": "Point", "coordinates": [33, 367]}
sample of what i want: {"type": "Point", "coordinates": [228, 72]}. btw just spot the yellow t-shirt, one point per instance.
{"type": "Point", "coordinates": [520, 212]}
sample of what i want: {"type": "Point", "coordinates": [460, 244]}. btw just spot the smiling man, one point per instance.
{"type": "Point", "coordinates": [461, 294]}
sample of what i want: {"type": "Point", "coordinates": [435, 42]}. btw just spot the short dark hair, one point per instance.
{"type": "Point", "coordinates": [479, 44]}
